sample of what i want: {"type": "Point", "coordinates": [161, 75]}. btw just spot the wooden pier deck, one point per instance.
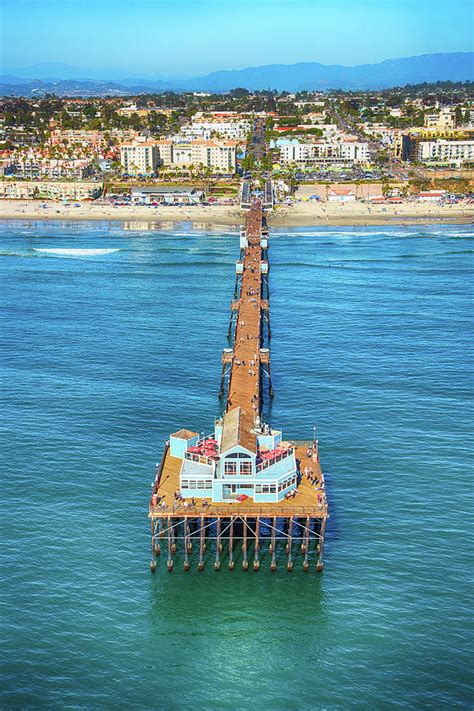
{"type": "Point", "coordinates": [244, 381]}
{"type": "Point", "coordinates": [299, 517]}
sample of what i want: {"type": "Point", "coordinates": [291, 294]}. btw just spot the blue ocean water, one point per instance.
{"type": "Point", "coordinates": [114, 341]}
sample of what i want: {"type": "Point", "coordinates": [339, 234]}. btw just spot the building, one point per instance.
{"type": "Point", "coordinates": [143, 157]}
{"type": "Point", "coordinates": [444, 119]}
{"type": "Point", "coordinates": [228, 464]}
{"type": "Point", "coordinates": [36, 166]}
{"type": "Point", "coordinates": [167, 195]}
{"type": "Point", "coordinates": [454, 153]}
{"type": "Point", "coordinates": [235, 129]}
{"type": "Point", "coordinates": [432, 196]}
{"type": "Point", "coordinates": [324, 153]}
{"type": "Point", "coordinates": [91, 139]}
{"type": "Point", "coordinates": [220, 155]}
{"type": "Point", "coordinates": [44, 190]}
{"type": "Point", "coordinates": [341, 195]}
{"type": "Point", "coordinates": [406, 144]}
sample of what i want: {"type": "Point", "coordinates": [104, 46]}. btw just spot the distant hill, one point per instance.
{"type": "Point", "coordinates": [457, 66]}
{"type": "Point", "coordinates": [64, 80]}
{"type": "Point", "coordinates": [13, 86]}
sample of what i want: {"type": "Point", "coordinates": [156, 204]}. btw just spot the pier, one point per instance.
{"type": "Point", "coordinates": [242, 494]}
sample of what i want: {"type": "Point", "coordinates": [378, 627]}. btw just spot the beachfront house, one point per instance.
{"type": "Point", "coordinates": [232, 464]}
{"type": "Point", "coordinates": [341, 194]}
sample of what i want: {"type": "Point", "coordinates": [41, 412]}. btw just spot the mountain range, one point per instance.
{"type": "Point", "coordinates": [64, 80]}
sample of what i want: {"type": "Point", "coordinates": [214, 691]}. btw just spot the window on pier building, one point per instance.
{"type": "Point", "coordinates": [246, 468]}
{"type": "Point", "coordinates": [230, 468]}
{"type": "Point", "coordinates": [265, 488]}
{"type": "Point", "coordinates": [238, 464]}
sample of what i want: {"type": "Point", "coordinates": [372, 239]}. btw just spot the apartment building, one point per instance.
{"type": "Point", "coordinates": [44, 190]}
{"type": "Point", "coordinates": [221, 155]}
{"type": "Point", "coordinates": [143, 157]}
{"type": "Point", "coordinates": [324, 152]}
{"type": "Point", "coordinates": [91, 139]}
{"type": "Point", "coordinates": [407, 144]}
{"type": "Point", "coordinates": [232, 129]}
{"type": "Point", "coordinates": [444, 119]}
{"type": "Point", "coordinates": [51, 168]}
{"type": "Point", "coordinates": [455, 153]}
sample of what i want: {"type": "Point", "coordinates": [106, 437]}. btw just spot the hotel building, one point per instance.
{"type": "Point", "coordinates": [145, 156]}
{"type": "Point", "coordinates": [321, 153]}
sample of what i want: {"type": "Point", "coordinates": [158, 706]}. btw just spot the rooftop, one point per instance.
{"type": "Point", "coordinates": [184, 434]}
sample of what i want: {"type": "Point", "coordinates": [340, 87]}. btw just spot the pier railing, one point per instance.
{"type": "Point", "coordinates": [215, 510]}
{"type": "Point", "coordinates": [159, 472]}
{"type": "Point", "coordinates": [198, 458]}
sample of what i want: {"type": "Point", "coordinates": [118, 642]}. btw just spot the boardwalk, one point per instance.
{"type": "Point", "coordinates": [244, 383]}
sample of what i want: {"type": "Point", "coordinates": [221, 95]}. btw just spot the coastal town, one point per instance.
{"type": "Point", "coordinates": [398, 153]}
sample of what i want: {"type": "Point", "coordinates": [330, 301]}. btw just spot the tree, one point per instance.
{"type": "Point", "coordinates": [239, 93]}
{"type": "Point", "coordinates": [385, 187]}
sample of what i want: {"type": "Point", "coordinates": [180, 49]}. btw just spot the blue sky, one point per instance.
{"type": "Point", "coordinates": [190, 37]}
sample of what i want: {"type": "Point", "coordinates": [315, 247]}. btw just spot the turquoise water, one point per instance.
{"type": "Point", "coordinates": [106, 352]}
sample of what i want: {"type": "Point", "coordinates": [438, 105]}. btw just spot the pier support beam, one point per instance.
{"type": "Point", "coordinates": [226, 370]}
{"type": "Point", "coordinates": [232, 320]}
{"type": "Point", "coordinates": [289, 565]}
{"type": "Point", "coordinates": [231, 544]}
{"type": "Point", "coordinates": [256, 561]}
{"type": "Point", "coordinates": [157, 542]}
{"type": "Point", "coordinates": [238, 286]}
{"type": "Point", "coordinates": [153, 550]}
{"type": "Point", "coordinates": [169, 563]}
{"type": "Point", "coordinates": [186, 564]}
{"type": "Point", "coordinates": [270, 386]}
{"type": "Point", "coordinates": [320, 563]}
{"type": "Point", "coordinates": [273, 564]}
{"type": "Point", "coordinates": [217, 562]}
{"type": "Point", "coordinates": [202, 545]}
{"type": "Point", "coordinates": [173, 540]}
{"type": "Point", "coordinates": [305, 546]}
{"type": "Point", "coordinates": [245, 563]}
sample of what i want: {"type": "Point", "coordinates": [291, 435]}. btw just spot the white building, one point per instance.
{"type": "Point", "coordinates": [324, 152]}
{"type": "Point", "coordinates": [145, 156]}
{"type": "Point", "coordinates": [343, 194]}
{"type": "Point", "coordinates": [235, 130]}
{"type": "Point", "coordinates": [443, 151]}
{"type": "Point", "coordinates": [193, 132]}
{"type": "Point", "coordinates": [221, 155]}
{"type": "Point", "coordinates": [432, 196]}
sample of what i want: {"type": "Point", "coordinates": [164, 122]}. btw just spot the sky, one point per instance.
{"type": "Point", "coordinates": [193, 37]}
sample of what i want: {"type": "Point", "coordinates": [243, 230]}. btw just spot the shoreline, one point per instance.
{"type": "Point", "coordinates": [299, 215]}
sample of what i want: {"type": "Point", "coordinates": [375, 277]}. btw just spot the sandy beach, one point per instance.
{"type": "Point", "coordinates": [297, 215]}
{"type": "Point", "coordinates": [359, 213]}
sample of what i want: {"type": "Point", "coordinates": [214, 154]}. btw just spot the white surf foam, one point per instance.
{"type": "Point", "coordinates": [63, 252]}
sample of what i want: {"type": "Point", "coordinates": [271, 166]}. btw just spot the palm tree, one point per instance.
{"type": "Point", "coordinates": [357, 183]}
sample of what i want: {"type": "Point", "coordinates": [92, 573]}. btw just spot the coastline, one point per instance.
{"type": "Point", "coordinates": [298, 215]}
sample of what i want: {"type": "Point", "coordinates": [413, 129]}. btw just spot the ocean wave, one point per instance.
{"type": "Point", "coordinates": [64, 252]}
